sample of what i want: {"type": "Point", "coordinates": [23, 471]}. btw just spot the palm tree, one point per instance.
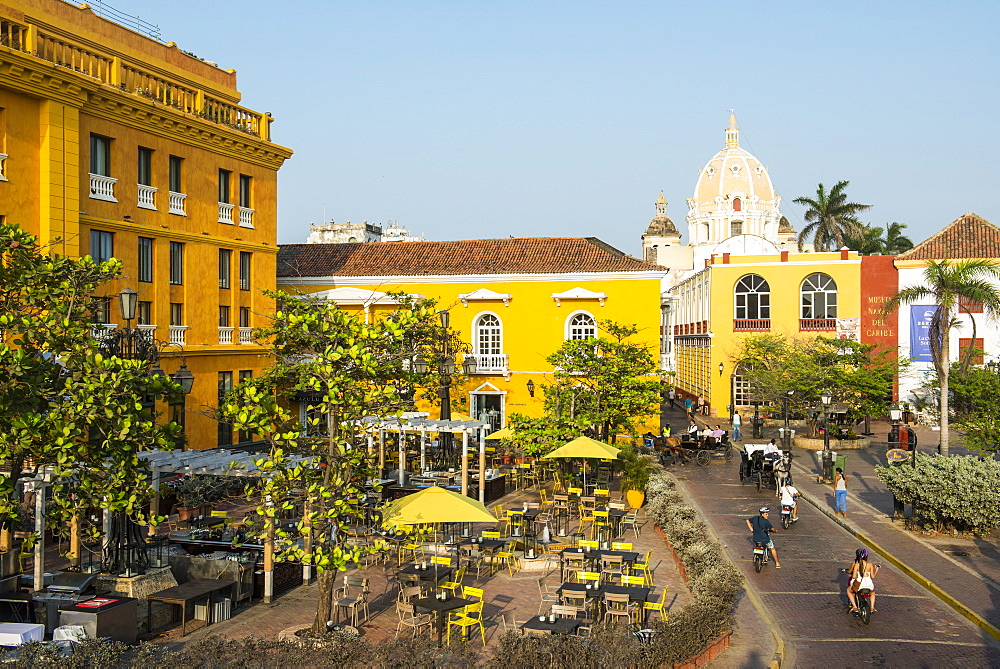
{"type": "Point", "coordinates": [830, 217]}
{"type": "Point", "coordinates": [946, 282]}
{"type": "Point", "coordinates": [895, 241]}
{"type": "Point", "coordinates": [867, 241]}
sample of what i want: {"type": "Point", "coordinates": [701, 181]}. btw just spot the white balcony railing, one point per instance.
{"type": "Point", "coordinates": [226, 335]}
{"type": "Point", "coordinates": [246, 217]}
{"type": "Point", "coordinates": [246, 335]}
{"type": "Point", "coordinates": [177, 334]}
{"type": "Point", "coordinates": [3, 165]}
{"type": "Point", "coordinates": [493, 363]}
{"type": "Point", "coordinates": [226, 213]}
{"type": "Point", "coordinates": [147, 197]}
{"type": "Point", "coordinates": [177, 203]}
{"type": "Point", "coordinates": [150, 328]}
{"type": "Point", "coordinates": [100, 330]}
{"type": "Point", "coordinates": [102, 188]}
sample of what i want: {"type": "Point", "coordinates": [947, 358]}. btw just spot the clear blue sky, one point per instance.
{"type": "Point", "coordinates": [471, 119]}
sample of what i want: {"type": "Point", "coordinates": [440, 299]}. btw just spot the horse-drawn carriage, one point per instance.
{"type": "Point", "coordinates": [764, 465]}
{"type": "Point", "coordinates": [685, 448]}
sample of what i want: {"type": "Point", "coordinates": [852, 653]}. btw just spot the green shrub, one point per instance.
{"type": "Point", "coordinates": [958, 492]}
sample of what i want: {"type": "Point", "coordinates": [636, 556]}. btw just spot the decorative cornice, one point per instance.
{"type": "Point", "coordinates": [579, 293]}
{"type": "Point", "coordinates": [178, 235]}
{"type": "Point", "coordinates": [485, 294]}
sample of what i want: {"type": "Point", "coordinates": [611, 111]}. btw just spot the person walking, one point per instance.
{"type": "Point", "coordinates": [671, 395]}
{"type": "Point", "coordinates": [840, 493]}
{"type": "Point", "coordinates": [737, 425]}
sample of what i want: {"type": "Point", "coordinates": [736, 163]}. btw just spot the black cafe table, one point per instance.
{"type": "Point", "coordinates": [441, 607]}
{"type": "Point", "coordinates": [434, 572]}
{"type": "Point", "coordinates": [490, 546]}
{"type": "Point", "coordinates": [558, 626]}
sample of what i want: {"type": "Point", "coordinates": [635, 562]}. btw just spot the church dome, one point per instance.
{"type": "Point", "coordinates": [732, 173]}
{"type": "Point", "coordinates": [661, 225]}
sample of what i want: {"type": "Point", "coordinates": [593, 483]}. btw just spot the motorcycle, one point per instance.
{"type": "Point", "coordinates": [759, 555]}
{"type": "Point", "coordinates": [786, 516]}
{"type": "Point", "coordinates": [864, 599]}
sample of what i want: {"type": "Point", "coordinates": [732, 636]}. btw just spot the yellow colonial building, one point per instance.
{"type": "Point", "coordinates": [793, 294]}
{"type": "Point", "coordinates": [115, 144]}
{"type": "Point", "coordinates": [514, 300]}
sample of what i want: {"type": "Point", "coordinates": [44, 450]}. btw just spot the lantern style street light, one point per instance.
{"type": "Point", "coordinates": [826, 398]}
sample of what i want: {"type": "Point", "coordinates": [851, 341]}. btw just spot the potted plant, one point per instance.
{"type": "Point", "coordinates": [636, 470]}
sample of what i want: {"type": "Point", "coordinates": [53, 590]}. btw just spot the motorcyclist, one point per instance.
{"type": "Point", "coordinates": [761, 526]}
{"type": "Point", "coordinates": [862, 573]}
{"type": "Point", "coordinates": [788, 495]}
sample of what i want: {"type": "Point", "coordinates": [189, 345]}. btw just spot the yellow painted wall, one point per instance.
{"type": "Point", "coordinates": [99, 80]}
{"type": "Point", "coordinates": [785, 280]}
{"type": "Point", "coordinates": [533, 325]}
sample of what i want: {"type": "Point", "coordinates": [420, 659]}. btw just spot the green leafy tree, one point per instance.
{"type": "Point", "coordinates": [830, 217]}
{"type": "Point", "coordinates": [895, 241]}
{"type": "Point", "coordinates": [947, 283]}
{"type": "Point", "coordinates": [975, 407]}
{"type": "Point", "coordinates": [606, 384]}
{"type": "Point", "coordinates": [345, 370]}
{"type": "Point", "coordinates": [64, 405]}
{"type": "Point", "coordinates": [856, 375]}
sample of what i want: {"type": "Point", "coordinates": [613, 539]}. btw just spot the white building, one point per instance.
{"type": "Point", "coordinates": [735, 209]}
{"type": "Point", "coordinates": [967, 237]}
{"type": "Point", "coordinates": [353, 233]}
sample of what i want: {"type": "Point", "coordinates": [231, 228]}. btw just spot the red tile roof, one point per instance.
{"type": "Point", "coordinates": [967, 237]}
{"type": "Point", "coordinates": [527, 255]}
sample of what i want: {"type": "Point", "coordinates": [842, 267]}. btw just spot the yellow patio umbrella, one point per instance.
{"type": "Point", "coordinates": [460, 416]}
{"type": "Point", "coordinates": [503, 433]}
{"type": "Point", "coordinates": [436, 505]}
{"type": "Point", "coordinates": [584, 447]}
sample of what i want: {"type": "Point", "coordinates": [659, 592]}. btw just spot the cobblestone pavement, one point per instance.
{"type": "Point", "coordinates": [806, 599]}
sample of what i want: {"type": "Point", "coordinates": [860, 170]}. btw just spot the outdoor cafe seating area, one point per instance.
{"type": "Point", "coordinates": [560, 552]}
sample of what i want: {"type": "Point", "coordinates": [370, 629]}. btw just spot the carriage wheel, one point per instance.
{"type": "Point", "coordinates": [729, 452]}
{"type": "Point", "coordinates": [760, 480]}
{"type": "Point", "coordinates": [703, 457]}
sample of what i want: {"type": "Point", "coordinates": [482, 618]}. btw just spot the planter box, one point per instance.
{"type": "Point", "coordinates": [713, 651]}
{"type": "Point", "coordinates": [835, 444]}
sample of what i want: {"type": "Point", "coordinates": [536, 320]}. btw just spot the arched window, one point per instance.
{"type": "Point", "coordinates": [488, 335]}
{"type": "Point", "coordinates": [581, 325]}
{"type": "Point", "coordinates": [737, 204]}
{"type": "Point", "coordinates": [753, 298]}
{"type": "Point", "coordinates": [819, 296]}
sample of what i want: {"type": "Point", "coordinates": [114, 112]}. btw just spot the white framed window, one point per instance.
{"type": "Point", "coordinates": [488, 334]}
{"type": "Point", "coordinates": [753, 298]}
{"type": "Point", "coordinates": [819, 296]}
{"type": "Point", "coordinates": [581, 325]}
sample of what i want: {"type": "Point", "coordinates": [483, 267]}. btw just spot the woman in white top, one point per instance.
{"type": "Point", "coordinates": [862, 573]}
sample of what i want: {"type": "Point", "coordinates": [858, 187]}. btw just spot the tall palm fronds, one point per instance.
{"type": "Point", "coordinates": [895, 241]}
{"type": "Point", "coordinates": [947, 283]}
{"type": "Point", "coordinates": [830, 217]}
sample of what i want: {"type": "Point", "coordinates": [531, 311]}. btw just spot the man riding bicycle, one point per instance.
{"type": "Point", "coordinates": [761, 526]}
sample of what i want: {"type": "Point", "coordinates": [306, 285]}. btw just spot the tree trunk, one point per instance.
{"type": "Point", "coordinates": [943, 374]}
{"type": "Point", "coordinates": [324, 607]}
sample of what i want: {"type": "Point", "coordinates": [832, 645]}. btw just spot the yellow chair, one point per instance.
{"type": "Point", "coordinates": [583, 543]}
{"type": "Point", "coordinates": [469, 617]}
{"type": "Point", "coordinates": [469, 591]}
{"type": "Point", "coordinates": [633, 580]}
{"type": "Point", "coordinates": [575, 491]}
{"type": "Point", "coordinates": [457, 583]}
{"type": "Point", "coordinates": [510, 559]}
{"type": "Point", "coordinates": [546, 502]}
{"type": "Point", "coordinates": [515, 523]}
{"type": "Point", "coordinates": [657, 605]}
{"type": "Point", "coordinates": [602, 492]}
{"type": "Point", "coordinates": [586, 516]}
{"type": "Point", "coordinates": [592, 576]}
{"type": "Point", "coordinates": [490, 535]}
{"type": "Point", "coordinates": [600, 523]}
{"type": "Point", "coordinates": [621, 546]}
{"type": "Point", "coordinates": [441, 560]}
{"type": "Point", "coordinates": [645, 567]}
{"type": "Point", "coordinates": [413, 547]}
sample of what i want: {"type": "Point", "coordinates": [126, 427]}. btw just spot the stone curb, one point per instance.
{"type": "Point", "coordinates": [922, 580]}
{"type": "Point", "coordinates": [781, 656]}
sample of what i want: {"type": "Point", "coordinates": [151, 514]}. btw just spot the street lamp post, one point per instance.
{"type": "Point", "coordinates": [826, 398]}
{"type": "Point", "coordinates": [786, 436]}
{"type": "Point", "coordinates": [444, 365]}
{"type": "Point", "coordinates": [124, 551]}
